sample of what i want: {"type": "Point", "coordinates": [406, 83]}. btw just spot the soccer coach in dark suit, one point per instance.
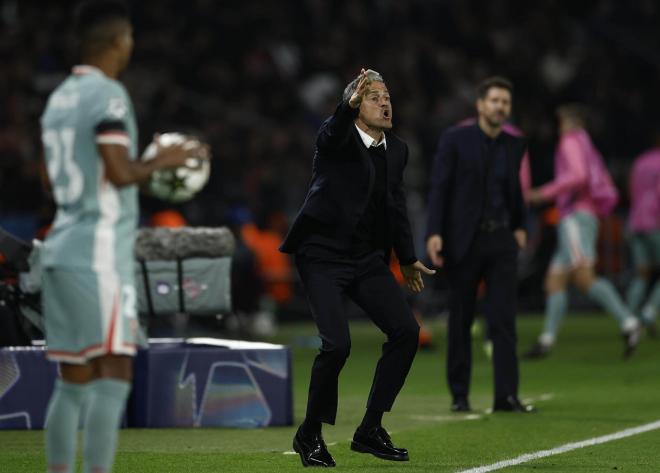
{"type": "Point", "coordinates": [352, 217]}
{"type": "Point", "coordinates": [476, 224]}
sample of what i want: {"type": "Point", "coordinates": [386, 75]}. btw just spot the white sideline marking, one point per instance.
{"type": "Point", "coordinates": [527, 457]}
{"type": "Point", "coordinates": [452, 418]}
{"type": "Point", "coordinates": [542, 397]}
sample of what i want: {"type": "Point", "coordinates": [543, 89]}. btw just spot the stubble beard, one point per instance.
{"type": "Point", "coordinates": [496, 122]}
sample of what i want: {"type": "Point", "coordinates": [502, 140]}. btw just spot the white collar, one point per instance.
{"type": "Point", "coordinates": [369, 141]}
{"type": "Point", "coordinates": [83, 69]}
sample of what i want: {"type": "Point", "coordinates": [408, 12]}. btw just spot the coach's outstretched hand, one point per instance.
{"type": "Point", "coordinates": [361, 89]}
{"type": "Point", "coordinates": [412, 273]}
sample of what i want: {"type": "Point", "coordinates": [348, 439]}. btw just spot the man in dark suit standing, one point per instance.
{"type": "Point", "coordinates": [476, 225]}
{"type": "Point", "coordinates": [352, 217]}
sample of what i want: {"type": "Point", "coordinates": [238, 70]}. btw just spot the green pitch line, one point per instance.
{"type": "Point", "coordinates": [583, 390]}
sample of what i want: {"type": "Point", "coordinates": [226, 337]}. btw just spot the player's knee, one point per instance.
{"type": "Point", "coordinates": [554, 283]}
{"type": "Point", "coordinates": [583, 281]}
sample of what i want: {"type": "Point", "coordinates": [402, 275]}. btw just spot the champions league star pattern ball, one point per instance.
{"type": "Point", "coordinates": [178, 184]}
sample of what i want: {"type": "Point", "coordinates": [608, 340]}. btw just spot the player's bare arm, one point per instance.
{"type": "Point", "coordinates": [122, 171]}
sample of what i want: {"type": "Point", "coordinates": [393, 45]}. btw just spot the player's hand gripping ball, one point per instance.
{"type": "Point", "coordinates": [182, 183]}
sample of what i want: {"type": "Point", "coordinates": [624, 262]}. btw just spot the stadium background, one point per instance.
{"type": "Point", "coordinates": [256, 79]}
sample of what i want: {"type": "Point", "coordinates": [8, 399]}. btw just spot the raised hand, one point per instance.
{"type": "Point", "coordinates": [361, 89]}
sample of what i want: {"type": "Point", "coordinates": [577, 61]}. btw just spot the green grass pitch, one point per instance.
{"type": "Point", "coordinates": [583, 390]}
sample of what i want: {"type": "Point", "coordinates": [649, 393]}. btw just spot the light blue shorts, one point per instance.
{"type": "Point", "coordinates": [645, 248]}
{"type": "Point", "coordinates": [576, 245]}
{"type": "Point", "coordinates": [88, 314]}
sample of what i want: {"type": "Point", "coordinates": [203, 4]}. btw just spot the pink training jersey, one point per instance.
{"type": "Point", "coordinates": [575, 157]}
{"type": "Point", "coordinates": [645, 192]}
{"type": "Point", "coordinates": [525, 174]}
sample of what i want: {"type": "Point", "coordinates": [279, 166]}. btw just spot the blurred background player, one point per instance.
{"type": "Point", "coordinates": [582, 190]}
{"type": "Point", "coordinates": [644, 226]}
{"type": "Point", "coordinates": [90, 140]}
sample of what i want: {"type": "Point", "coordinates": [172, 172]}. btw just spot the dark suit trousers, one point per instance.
{"type": "Point", "coordinates": [370, 284]}
{"type": "Point", "coordinates": [492, 257]}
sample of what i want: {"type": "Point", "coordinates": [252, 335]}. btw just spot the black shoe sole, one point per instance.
{"type": "Point", "coordinates": [361, 448]}
{"type": "Point", "coordinates": [298, 450]}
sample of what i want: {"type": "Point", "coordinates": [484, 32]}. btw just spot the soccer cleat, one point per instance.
{"type": "Point", "coordinates": [537, 351]}
{"type": "Point", "coordinates": [630, 341]}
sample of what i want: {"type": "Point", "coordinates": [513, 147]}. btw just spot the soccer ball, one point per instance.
{"type": "Point", "coordinates": [177, 184]}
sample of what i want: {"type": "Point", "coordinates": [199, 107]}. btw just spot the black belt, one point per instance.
{"type": "Point", "coordinates": [489, 226]}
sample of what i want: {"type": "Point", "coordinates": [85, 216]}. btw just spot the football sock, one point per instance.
{"type": "Point", "coordinates": [62, 425]}
{"type": "Point", "coordinates": [635, 292]}
{"type": "Point", "coordinates": [651, 307]}
{"type": "Point", "coordinates": [555, 309]}
{"type": "Point", "coordinates": [106, 406]}
{"type": "Point", "coordinates": [604, 294]}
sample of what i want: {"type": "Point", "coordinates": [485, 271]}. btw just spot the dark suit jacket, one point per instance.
{"type": "Point", "coordinates": [458, 188]}
{"type": "Point", "coordinates": [342, 181]}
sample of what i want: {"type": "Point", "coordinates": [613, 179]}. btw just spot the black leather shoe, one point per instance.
{"type": "Point", "coordinates": [312, 450]}
{"type": "Point", "coordinates": [460, 404]}
{"type": "Point", "coordinates": [378, 442]}
{"type": "Point", "coordinates": [512, 404]}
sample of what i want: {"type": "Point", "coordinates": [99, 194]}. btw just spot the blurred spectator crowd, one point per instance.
{"type": "Point", "coordinates": [256, 78]}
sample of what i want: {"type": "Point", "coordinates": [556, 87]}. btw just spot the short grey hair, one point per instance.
{"type": "Point", "coordinates": [350, 88]}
